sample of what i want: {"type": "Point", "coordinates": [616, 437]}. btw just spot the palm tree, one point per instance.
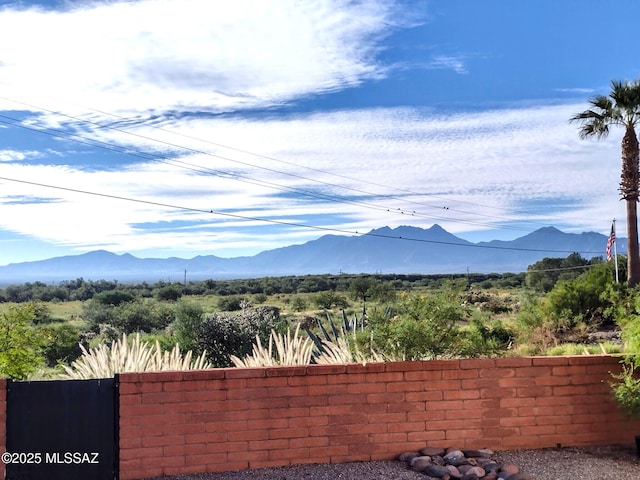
{"type": "Point", "coordinates": [620, 107]}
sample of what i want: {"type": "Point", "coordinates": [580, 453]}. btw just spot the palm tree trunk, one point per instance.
{"type": "Point", "coordinates": [633, 255]}
{"type": "Point", "coordinates": [629, 184]}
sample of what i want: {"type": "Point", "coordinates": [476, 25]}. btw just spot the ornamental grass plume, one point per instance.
{"type": "Point", "coordinates": [288, 351]}
{"type": "Point", "coordinates": [294, 350]}
{"type": "Point", "coordinates": [130, 356]}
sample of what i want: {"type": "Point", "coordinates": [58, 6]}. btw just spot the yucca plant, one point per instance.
{"type": "Point", "coordinates": [288, 351]}
{"type": "Point", "coordinates": [130, 356]}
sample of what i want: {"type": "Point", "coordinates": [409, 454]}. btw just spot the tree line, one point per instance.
{"type": "Point", "coordinates": [82, 290]}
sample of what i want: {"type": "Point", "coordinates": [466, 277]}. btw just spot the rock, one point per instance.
{"type": "Point", "coordinates": [492, 467]}
{"type": "Point", "coordinates": [477, 471]}
{"type": "Point", "coordinates": [433, 451]}
{"type": "Point", "coordinates": [418, 464]}
{"type": "Point", "coordinates": [457, 464]}
{"type": "Point", "coordinates": [482, 461]}
{"type": "Point", "coordinates": [437, 471]}
{"type": "Point", "coordinates": [407, 456]}
{"type": "Point", "coordinates": [510, 468]}
{"type": "Point", "coordinates": [453, 471]}
{"type": "Point", "coordinates": [470, 476]}
{"type": "Point", "coordinates": [477, 453]}
{"type": "Point", "coordinates": [456, 458]}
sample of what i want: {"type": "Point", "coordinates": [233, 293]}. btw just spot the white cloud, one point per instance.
{"type": "Point", "coordinates": [9, 155]}
{"type": "Point", "coordinates": [163, 55]}
{"type": "Point", "coordinates": [455, 63]}
{"type": "Point", "coordinates": [467, 172]}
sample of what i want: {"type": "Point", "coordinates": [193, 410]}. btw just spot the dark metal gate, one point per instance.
{"type": "Point", "coordinates": [66, 429]}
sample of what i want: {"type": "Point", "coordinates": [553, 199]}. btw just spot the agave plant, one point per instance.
{"type": "Point", "coordinates": [338, 339]}
{"type": "Point", "coordinates": [130, 356]}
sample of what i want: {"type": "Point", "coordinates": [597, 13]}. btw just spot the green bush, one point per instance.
{"type": "Point", "coordinates": [169, 293]}
{"type": "Point", "coordinates": [231, 303]}
{"type": "Point", "coordinates": [259, 298]}
{"type": "Point", "coordinates": [482, 338]}
{"type": "Point", "coordinates": [225, 334]}
{"type": "Point", "coordinates": [329, 299]}
{"type": "Point", "coordinates": [425, 326]}
{"type": "Point", "coordinates": [139, 315]}
{"type": "Point", "coordinates": [188, 317]}
{"type": "Point", "coordinates": [62, 343]}
{"type": "Point", "coordinates": [20, 343]}
{"type": "Point", "coordinates": [299, 304]}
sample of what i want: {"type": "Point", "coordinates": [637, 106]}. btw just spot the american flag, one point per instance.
{"type": "Point", "coordinates": [610, 242]}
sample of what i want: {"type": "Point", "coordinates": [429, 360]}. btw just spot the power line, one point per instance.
{"type": "Point", "coordinates": [278, 186]}
{"type": "Point", "coordinates": [280, 222]}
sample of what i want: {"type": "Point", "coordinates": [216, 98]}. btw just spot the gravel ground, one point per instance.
{"type": "Point", "coordinates": [588, 463]}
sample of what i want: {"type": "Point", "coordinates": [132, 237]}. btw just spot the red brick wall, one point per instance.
{"type": "Point", "coordinates": [231, 419]}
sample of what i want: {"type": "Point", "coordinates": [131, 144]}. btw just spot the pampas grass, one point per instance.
{"type": "Point", "coordinates": [130, 356]}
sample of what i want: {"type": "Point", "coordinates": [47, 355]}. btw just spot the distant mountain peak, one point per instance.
{"type": "Point", "coordinates": [428, 251]}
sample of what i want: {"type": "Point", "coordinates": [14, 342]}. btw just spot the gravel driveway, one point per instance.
{"type": "Point", "coordinates": [588, 463]}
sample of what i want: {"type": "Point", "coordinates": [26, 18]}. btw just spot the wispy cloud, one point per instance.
{"type": "Point", "coordinates": [13, 155]}
{"type": "Point", "coordinates": [575, 90]}
{"type": "Point", "coordinates": [447, 62]}
{"type": "Point", "coordinates": [466, 171]}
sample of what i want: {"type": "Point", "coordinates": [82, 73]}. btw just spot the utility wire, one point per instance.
{"type": "Point", "coordinates": [360, 191]}
{"type": "Point", "coordinates": [235, 176]}
{"type": "Point", "coordinates": [280, 222]}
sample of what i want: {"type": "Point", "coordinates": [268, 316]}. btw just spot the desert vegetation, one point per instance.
{"type": "Point", "coordinates": [559, 306]}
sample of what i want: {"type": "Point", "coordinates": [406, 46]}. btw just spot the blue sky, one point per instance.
{"type": "Point", "coordinates": [188, 127]}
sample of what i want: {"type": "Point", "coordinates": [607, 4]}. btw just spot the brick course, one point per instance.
{"type": "Point", "coordinates": [230, 419]}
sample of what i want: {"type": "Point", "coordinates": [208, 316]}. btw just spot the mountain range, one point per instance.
{"type": "Point", "coordinates": [401, 250]}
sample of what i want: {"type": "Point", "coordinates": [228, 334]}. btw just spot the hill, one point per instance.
{"type": "Point", "coordinates": [404, 249]}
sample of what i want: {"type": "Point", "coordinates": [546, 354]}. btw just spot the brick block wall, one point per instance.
{"type": "Point", "coordinates": [232, 419]}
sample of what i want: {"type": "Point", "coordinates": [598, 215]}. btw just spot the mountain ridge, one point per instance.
{"type": "Point", "coordinates": [403, 250]}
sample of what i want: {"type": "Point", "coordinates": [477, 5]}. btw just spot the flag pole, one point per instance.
{"type": "Point", "coordinates": [615, 250]}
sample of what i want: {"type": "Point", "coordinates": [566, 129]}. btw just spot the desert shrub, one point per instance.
{"type": "Point", "coordinates": [572, 308]}
{"type": "Point", "coordinates": [607, 348]}
{"type": "Point", "coordinates": [329, 299]}
{"type": "Point", "coordinates": [226, 333]}
{"type": "Point", "coordinates": [483, 338]}
{"type": "Point", "coordinates": [188, 317]}
{"type": "Point", "coordinates": [299, 303]}
{"type": "Point", "coordinates": [169, 293]}
{"type": "Point", "coordinates": [20, 343]}
{"type": "Point", "coordinates": [259, 298]}
{"type": "Point", "coordinates": [41, 313]}
{"type": "Point", "coordinates": [62, 344]}
{"type": "Point", "coordinates": [142, 315]}
{"type": "Point", "coordinates": [231, 303]}
{"type": "Point", "coordinates": [113, 297]}
{"type": "Point", "coordinates": [383, 292]}
{"type": "Point", "coordinates": [138, 315]}
{"type": "Point", "coordinates": [424, 326]}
